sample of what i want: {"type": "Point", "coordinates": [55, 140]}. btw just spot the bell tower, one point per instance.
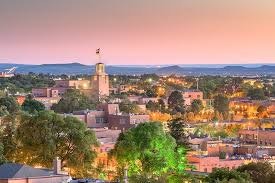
{"type": "Point", "coordinates": [99, 80]}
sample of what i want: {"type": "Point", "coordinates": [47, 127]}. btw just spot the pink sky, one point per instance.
{"type": "Point", "coordinates": [138, 32]}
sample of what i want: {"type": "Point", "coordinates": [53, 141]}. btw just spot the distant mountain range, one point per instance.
{"type": "Point", "coordinates": [77, 68]}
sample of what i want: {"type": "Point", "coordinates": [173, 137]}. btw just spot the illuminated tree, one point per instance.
{"type": "Point", "coordinates": [43, 136]}
{"type": "Point", "coordinates": [148, 150]}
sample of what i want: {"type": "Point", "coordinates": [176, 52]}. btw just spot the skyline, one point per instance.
{"type": "Point", "coordinates": [143, 32]}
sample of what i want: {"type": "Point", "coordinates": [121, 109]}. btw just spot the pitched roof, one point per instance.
{"type": "Point", "coordinates": [14, 170]}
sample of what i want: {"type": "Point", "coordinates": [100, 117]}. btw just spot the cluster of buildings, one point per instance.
{"type": "Point", "coordinates": [95, 88]}
{"type": "Point", "coordinates": [250, 146]}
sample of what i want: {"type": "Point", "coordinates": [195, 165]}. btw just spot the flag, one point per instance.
{"type": "Point", "coordinates": [97, 51]}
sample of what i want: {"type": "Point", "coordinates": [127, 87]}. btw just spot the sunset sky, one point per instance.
{"type": "Point", "coordinates": [138, 31]}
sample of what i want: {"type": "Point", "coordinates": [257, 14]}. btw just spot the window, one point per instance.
{"type": "Point", "coordinates": [205, 169]}
{"type": "Point", "coordinates": [99, 120]}
{"type": "Point", "coordinates": [122, 121]}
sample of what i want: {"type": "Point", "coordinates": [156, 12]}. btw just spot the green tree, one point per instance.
{"type": "Point", "coordinates": [176, 103]}
{"type": "Point", "coordinates": [46, 135]}
{"type": "Point", "coordinates": [2, 157]}
{"type": "Point", "coordinates": [162, 106]}
{"type": "Point", "coordinates": [31, 106]}
{"type": "Point", "coordinates": [147, 150]}
{"type": "Point", "coordinates": [196, 106]}
{"type": "Point", "coordinates": [10, 103]}
{"type": "Point", "coordinates": [256, 94]}
{"type": "Point", "coordinates": [73, 100]}
{"type": "Point", "coordinates": [3, 111]}
{"type": "Point", "coordinates": [176, 130]}
{"type": "Point", "coordinates": [128, 107]}
{"type": "Point", "coordinates": [223, 175]}
{"type": "Point", "coordinates": [8, 136]}
{"type": "Point", "coordinates": [221, 105]}
{"type": "Point", "coordinates": [259, 172]}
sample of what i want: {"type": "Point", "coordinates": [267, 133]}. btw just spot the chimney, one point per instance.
{"type": "Point", "coordinates": [57, 166]}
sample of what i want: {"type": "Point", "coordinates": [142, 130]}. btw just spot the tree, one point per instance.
{"type": "Point", "coordinates": [196, 106]}
{"type": "Point", "coordinates": [10, 103]}
{"type": "Point", "coordinates": [162, 106]}
{"type": "Point", "coordinates": [46, 135]}
{"type": "Point", "coordinates": [31, 106]}
{"type": "Point", "coordinates": [129, 107]}
{"type": "Point", "coordinates": [256, 94]}
{"type": "Point", "coordinates": [156, 106]}
{"type": "Point", "coordinates": [152, 106]}
{"type": "Point", "coordinates": [262, 111]}
{"type": "Point", "coordinates": [8, 135]}
{"type": "Point", "coordinates": [259, 172]}
{"type": "Point", "coordinates": [148, 150]}
{"type": "Point", "coordinates": [2, 157]}
{"type": "Point", "coordinates": [176, 103]}
{"type": "Point", "coordinates": [176, 130]}
{"type": "Point", "coordinates": [221, 105]}
{"type": "Point", "coordinates": [220, 175]}
{"type": "Point", "coordinates": [3, 111]}
{"type": "Point", "coordinates": [151, 92]}
{"type": "Point", "coordinates": [73, 100]}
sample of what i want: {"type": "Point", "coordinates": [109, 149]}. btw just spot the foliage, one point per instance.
{"type": "Point", "coordinates": [25, 82]}
{"type": "Point", "coordinates": [37, 139]}
{"type": "Point", "coordinates": [10, 103]}
{"type": "Point", "coordinates": [176, 103]}
{"type": "Point", "coordinates": [262, 111]}
{"type": "Point", "coordinates": [73, 100]}
{"type": "Point", "coordinates": [148, 150]}
{"type": "Point", "coordinates": [3, 111]}
{"type": "Point", "coordinates": [256, 94]}
{"type": "Point", "coordinates": [260, 172]}
{"type": "Point", "coordinates": [196, 106]}
{"type": "Point", "coordinates": [8, 135]}
{"type": "Point", "coordinates": [221, 105]}
{"type": "Point", "coordinates": [176, 130]}
{"type": "Point", "coordinates": [2, 157]}
{"type": "Point", "coordinates": [156, 106]}
{"type": "Point", "coordinates": [160, 117]}
{"type": "Point", "coordinates": [220, 175]}
{"type": "Point", "coordinates": [129, 107]}
{"type": "Point", "coordinates": [31, 106]}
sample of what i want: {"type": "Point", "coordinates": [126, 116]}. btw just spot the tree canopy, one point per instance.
{"type": "Point", "coordinates": [196, 106]}
{"type": "Point", "coordinates": [31, 106]}
{"type": "Point", "coordinates": [37, 139]}
{"type": "Point", "coordinates": [176, 130]}
{"type": "Point", "coordinates": [148, 150]}
{"type": "Point", "coordinates": [223, 175]}
{"type": "Point", "coordinates": [221, 105]}
{"type": "Point", "coordinates": [73, 100]}
{"type": "Point", "coordinates": [10, 104]}
{"type": "Point", "coordinates": [127, 106]}
{"type": "Point", "coordinates": [256, 94]}
{"type": "Point", "coordinates": [176, 103]}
